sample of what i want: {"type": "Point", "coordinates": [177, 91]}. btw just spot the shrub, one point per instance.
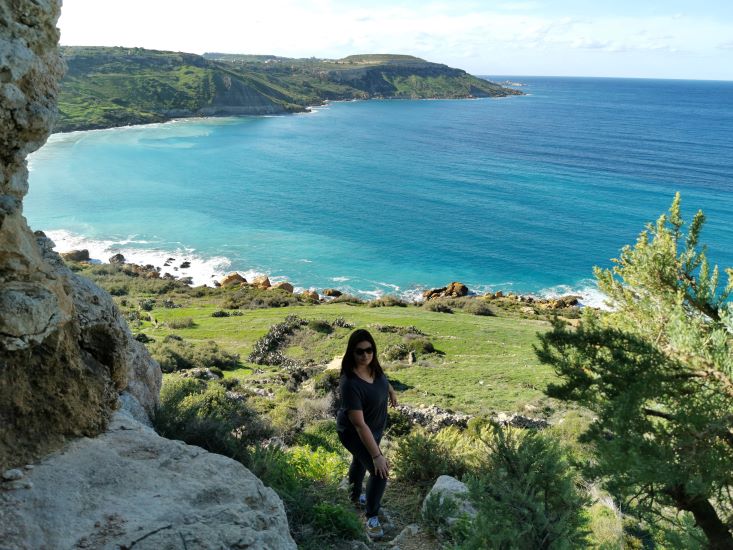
{"type": "Point", "coordinates": [421, 457]}
{"type": "Point", "coordinates": [173, 354]}
{"type": "Point", "coordinates": [220, 313]}
{"type": "Point", "coordinates": [324, 327]}
{"type": "Point", "coordinates": [321, 433]}
{"type": "Point", "coordinates": [181, 322]}
{"type": "Point", "coordinates": [340, 322]}
{"type": "Point", "coordinates": [526, 495]}
{"type": "Point", "coordinates": [206, 415]}
{"type": "Point", "coordinates": [249, 297]}
{"type": "Point", "coordinates": [396, 352]}
{"type": "Point", "coordinates": [336, 521]}
{"type": "Point", "coordinates": [478, 307]}
{"type": "Point", "coordinates": [418, 344]}
{"type": "Point", "coordinates": [147, 304]}
{"type": "Point", "coordinates": [398, 423]}
{"type": "Point", "coordinates": [347, 299]}
{"type": "Point", "coordinates": [388, 301]}
{"type": "Point", "coordinates": [437, 307]}
{"type": "Point", "coordinates": [326, 382]}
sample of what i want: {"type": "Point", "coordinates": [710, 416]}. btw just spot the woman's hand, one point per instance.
{"type": "Point", "coordinates": [381, 467]}
{"type": "Point", "coordinates": [392, 397]}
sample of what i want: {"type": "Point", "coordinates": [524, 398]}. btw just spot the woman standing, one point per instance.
{"type": "Point", "coordinates": [361, 420]}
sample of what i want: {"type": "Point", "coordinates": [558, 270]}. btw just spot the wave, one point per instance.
{"type": "Point", "coordinates": [205, 270]}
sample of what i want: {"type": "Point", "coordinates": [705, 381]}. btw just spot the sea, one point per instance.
{"type": "Point", "coordinates": [523, 194]}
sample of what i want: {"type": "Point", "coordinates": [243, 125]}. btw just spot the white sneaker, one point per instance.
{"type": "Point", "coordinates": [373, 528]}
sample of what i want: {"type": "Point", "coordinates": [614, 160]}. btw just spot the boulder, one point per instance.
{"type": "Point", "coordinates": [449, 487]}
{"type": "Point", "coordinates": [284, 285]}
{"type": "Point", "coordinates": [332, 292]}
{"type": "Point", "coordinates": [261, 281]}
{"type": "Point", "coordinates": [310, 295]}
{"type": "Point", "coordinates": [433, 293]}
{"type": "Point", "coordinates": [185, 265]}
{"type": "Point", "coordinates": [233, 279]}
{"type": "Point", "coordinates": [130, 487]}
{"type": "Point", "coordinates": [456, 290]}
{"type": "Point", "coordinates": [76, 255]}
{"type": "Point", "coordinates": [117, 259]}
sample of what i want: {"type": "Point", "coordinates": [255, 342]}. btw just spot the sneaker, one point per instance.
{"type": "Point", "coordinates": [362, 501]}
{"type": "Point", "coordinates": [373, 528]}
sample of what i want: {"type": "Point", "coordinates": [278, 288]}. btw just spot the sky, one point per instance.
{"type": "Point", "coordinates": [617, 38]}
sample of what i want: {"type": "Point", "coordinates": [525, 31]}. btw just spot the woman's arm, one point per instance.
{"type": "Point", "coordinates": [381, 467]}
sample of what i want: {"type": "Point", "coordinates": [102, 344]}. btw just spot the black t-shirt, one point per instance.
{"type": "Point", "coordinates": [358, 395]}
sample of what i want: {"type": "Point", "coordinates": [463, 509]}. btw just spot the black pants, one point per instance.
{"type": "Point", "coordinates": [361, 461]}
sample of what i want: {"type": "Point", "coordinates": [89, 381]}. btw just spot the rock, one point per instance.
{"type": "Point", "coordinates": [261, 281]}
{"type": "Point", "coordinates": [283, 285]}
{"type": "Point", "coordinates": [13, 475]}
{"type": "Point", "coordinates": [332, 292]}
{"type": "Point", "coordinates": [76, 255]}
{"type": "Point", "coordinates": [200, 373]}
{"type": "Point", "coordinates": [185, 265]}
{"type": "Point", "coordinates": [117, 259]}
{"type": "Point", "coordinates": [434, 418]}
{"type": "Point", "coordinates": [449, 487]}
{"type": "Point", "coordinates": [433, 293]}
{"type": "Point", "coordinates": [310, 295]}
{"type": "Point", "coordinates": [66, 352]}
{"type": "Point", "coordinates": [520, 421]}
{"type": "Point", "coordinates": [456, 290]}
{"type": "Point", "coordinates": [233, 279]}
{"type": "Point", "coordinates": [408, 533]}
{"type": "Point", "coordinates": [177, 496]}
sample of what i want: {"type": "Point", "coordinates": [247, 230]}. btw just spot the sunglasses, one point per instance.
{"type": "Point", "coordinates": [363, 351]}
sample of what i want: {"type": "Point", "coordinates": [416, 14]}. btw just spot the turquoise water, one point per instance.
{"type": "Point", "coordinates": [522, 194]}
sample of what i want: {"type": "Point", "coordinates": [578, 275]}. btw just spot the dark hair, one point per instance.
{"type": "Point", "coordinates": [348, 363]}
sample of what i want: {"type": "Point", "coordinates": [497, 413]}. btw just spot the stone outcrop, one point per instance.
{"type": "Point", "coordinates": [453, 290]}
{"type": "Point", "coordinates": [332, 292]}
{"type": "Point", "coordinates": [449, 487]}
{"type": "Point", "coordinates": [65, 353]}
{"type": "Point", "coordinates": [261, 281]}
{"type": "Point", "coordinates": [130, 487]}
{"type": "Point", "coordinates": [233, 279]}
{"type": "Point", "coordinates": [284, 285]}
{"type": "Point", "coordinates": [76, 255]}
{"type": "Point", "coordinates": [69, 364]}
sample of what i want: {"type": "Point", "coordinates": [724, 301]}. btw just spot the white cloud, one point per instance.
{"type": "Point", "coordinates": [458, 33]}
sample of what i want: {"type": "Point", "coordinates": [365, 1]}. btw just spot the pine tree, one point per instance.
{"type": "Point", "coordinates": [657, 371]}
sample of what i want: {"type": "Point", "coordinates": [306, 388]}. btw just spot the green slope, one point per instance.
{"type": "Point", "coordinates": [106, 87]}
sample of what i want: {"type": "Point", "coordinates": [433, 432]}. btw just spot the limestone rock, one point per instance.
{"type": "Point", "coordinates": [66, 354]}
{"type": "Point", "coordinates": [283, 285]}
{"type": "Point", "coordinates": [76, 255]}
{"type": "Point", "coordinates": [117, 259]}
{"type": "Point", "coordinates": [449, 487]}
{"type": "Point", "coordinates": [310, 295]}
{"type": "Point", "coordinates": [261, 281]}
{"type": "Point", "coordinates": [130, 486]}
{"type": "Point", "coordinates": [456, 290]}
{"type": "Point", "coordinates": [233, 279]}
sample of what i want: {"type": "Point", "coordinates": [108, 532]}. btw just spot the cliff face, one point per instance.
{"type": "Point", "coordinates": [69, 367]}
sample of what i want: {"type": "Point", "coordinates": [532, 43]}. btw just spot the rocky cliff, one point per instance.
{"type": "Point", "coordinates": [69, 366]}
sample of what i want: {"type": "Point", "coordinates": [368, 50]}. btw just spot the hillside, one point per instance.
{"type": "Point", "coordinates": [107, 87]}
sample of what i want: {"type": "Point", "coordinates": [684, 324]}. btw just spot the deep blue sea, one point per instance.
{"type": "Point", "coordinates": [523, 194]}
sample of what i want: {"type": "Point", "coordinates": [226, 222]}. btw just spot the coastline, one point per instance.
{"type": "Point", "coordinates": [184, 262]}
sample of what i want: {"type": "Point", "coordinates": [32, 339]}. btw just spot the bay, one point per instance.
{"type": "Point", "coordinates": [524, 194]}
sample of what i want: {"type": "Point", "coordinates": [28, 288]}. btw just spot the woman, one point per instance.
{"type": "Point", "coordinates": [361, 421]}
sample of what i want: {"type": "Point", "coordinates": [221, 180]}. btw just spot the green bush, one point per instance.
{"type": "Point", "coordinates": [478, 307]}
{"type": "Point", "coordinates": [335, 521]}
{"type": "Point", "coordinates": [398, 423]}
{"type": "Point", "coordinates": [396, 352]}
{"type": "Point", "coordinates": [174, 354]}
{"type": "Point", "coordinates": [347, 299]}
{"type": "Point", "coordinates": [437, 306]}
{"type": "Point", "coordinates": [421, 457]}
{"type": "Point", "coordinates": [324, 327]}
{"type": "Point", "coordinates": [320, 434]}
{"type": "Point", "coordinates": [181, 322]}
{"type": "Point", "coordinates": [526, 495]}
{"type": "Point", "coordinates": [249, 297]}
{"type": "Point", "coordinates": [388, 301]}
{"type": "Point", "coordinates": [418, 344]}
{"type": "Point", "coordinates": [205, 415]}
